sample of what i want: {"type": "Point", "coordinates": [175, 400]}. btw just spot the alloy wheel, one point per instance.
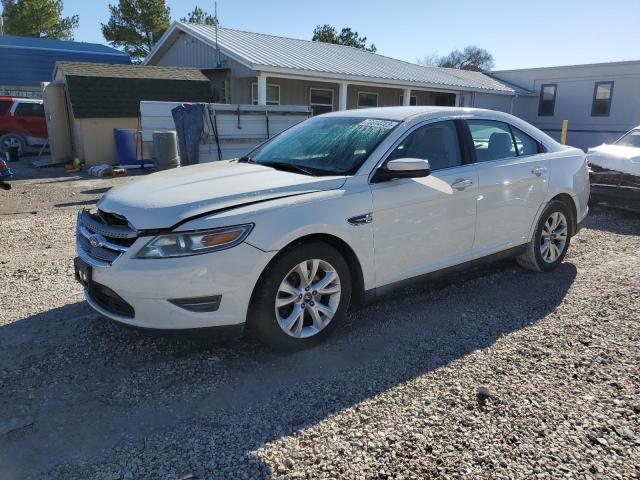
{"type": "Point", "coordinates": [554, 237]}
{"type": "Point", "coordinates": [308, 298]}
{"type": "Point", "coordinates": [11, 141]}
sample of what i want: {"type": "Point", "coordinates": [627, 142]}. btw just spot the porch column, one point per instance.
{"type": "Point", "coordinates": [262, 90]}
{"type": "Point", "coordinates": [406, 97]}
{"type": "Point", "coordinates": [342, 96]}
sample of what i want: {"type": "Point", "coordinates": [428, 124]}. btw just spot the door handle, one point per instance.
{"type": "Point", "coordinates": [538, 171]}
{"type": "Point", "coordinates": [461, 184]}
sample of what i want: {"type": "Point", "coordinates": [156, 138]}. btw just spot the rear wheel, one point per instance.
{"type": "Point", "coordinates": [9, 140]}
{"type": "Point", "coordinates": [550, 241]}
{"type": "Point", "coordinates": [301, 297]}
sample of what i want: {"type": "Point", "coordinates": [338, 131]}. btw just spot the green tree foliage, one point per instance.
{"type": "Point", "coordinates": [136, 25]}
{"type": "Point", "coordinates": [38, 18]}
{"type": "Point", "coordinates": [348, 37]}
{"type": "Point", "coordinates": [198, 15]}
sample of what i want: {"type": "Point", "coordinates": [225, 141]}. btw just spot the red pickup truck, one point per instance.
{"type": "Point", "coordinates": [22, 123]}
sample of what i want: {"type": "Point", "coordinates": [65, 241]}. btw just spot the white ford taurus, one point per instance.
{"type": "Point", "coordinates": [342, 206]}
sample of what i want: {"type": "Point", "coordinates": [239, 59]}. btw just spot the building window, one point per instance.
{"type": "Point", "coordinates": [320, 100]}
{"type": "Point", "coordinates": [413, 100]}
{"type": "Point", "coordinates": [602, 94]}
{"type": "Point", "coordinates": [547, 100]}
{"type": "Point", "coordinates": [273, 94]}
{"type": "Point", "coordinates": [367, 99]}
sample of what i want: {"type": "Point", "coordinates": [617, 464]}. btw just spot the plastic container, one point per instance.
{"type": "Point", "coordinates": [13, 154]}
{"type": "Point", "coordinates": [165, 149]}
{"type": "Point", "coordinates": [125, 145]}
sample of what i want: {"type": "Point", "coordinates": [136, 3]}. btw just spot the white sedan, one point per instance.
{"type": "Point", "coordinates": [615, 172]}
{"type": "Point", "coordinates": [341, 207]}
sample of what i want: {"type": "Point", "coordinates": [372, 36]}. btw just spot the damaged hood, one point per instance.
{"type": "Point", "coordinates": [616, 157]}
{"type": "Point", "coordinates": [163, 199]}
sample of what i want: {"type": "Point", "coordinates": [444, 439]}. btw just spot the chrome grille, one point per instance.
{"type": "Point", "coordinates": [100, 243]}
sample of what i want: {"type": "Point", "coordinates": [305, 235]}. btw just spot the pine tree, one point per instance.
{"type": "Point", "coordinates": [136, 25]}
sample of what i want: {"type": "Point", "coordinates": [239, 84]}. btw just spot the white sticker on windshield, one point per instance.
{"type": "Point", "coordinates": [385, 124]}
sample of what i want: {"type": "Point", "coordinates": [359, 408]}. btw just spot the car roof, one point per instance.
{"type": "Point", "coordinates": [6, 98]}
{"type": "Point", "coordinates": [412, 115]}
{"type": "Point", "coordinates": [401, 114]}
{"type": "Point", "coordinates": [27, 100]}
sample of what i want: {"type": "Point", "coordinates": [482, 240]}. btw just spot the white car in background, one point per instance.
{"type": "Point", "coordinates": [614, 171]}
{"type": "Point", "coordinates": [342, 206]}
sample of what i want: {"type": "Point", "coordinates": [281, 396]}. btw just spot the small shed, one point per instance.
{"type": "Point", "coordinates": [101, 97]}
{"type": "Point", "coordinates": [27, 62]}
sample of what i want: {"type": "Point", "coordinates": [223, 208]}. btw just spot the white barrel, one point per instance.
{"type": "Point", "coordinates": [165, 149]}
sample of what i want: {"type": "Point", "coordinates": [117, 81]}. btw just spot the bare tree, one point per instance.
{"type": "Point", "coordinates": [429, 60]}
{"type": "Point", "coordinates": [471, 58]}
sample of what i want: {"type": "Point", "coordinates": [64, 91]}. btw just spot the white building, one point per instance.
{"type": "Point", "coordinates": [600, 101]}
{"type": "Point", "coordinates": [247, 67]}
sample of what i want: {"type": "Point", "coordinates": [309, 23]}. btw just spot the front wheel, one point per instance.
{"type": "Point", "coordinates": [550, 241]}
{"type": "Point", "coordinates": [301, 297]}
{"type": "Point", "coordinates": [9, 140]}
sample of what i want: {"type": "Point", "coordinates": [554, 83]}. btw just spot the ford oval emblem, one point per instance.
{"type": "Point", "coordinates": [94, 240]}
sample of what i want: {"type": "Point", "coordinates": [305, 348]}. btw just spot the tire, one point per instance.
{"type": "Point", "coordinates": [547, 250]}
{"type": "Point", "coordinates": [301, 319]}
{"type": "Point", "coordinates": [12, 140]}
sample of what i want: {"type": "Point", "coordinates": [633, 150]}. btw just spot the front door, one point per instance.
{"type": "Point", "coordinates": [425, 224]}
{"type": "Point", "coordinates": [513, 181]}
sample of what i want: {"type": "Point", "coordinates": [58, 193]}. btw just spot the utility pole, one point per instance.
{"type": "Point", "coordinates": [215, 24]}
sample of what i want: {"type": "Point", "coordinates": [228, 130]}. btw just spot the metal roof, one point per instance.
{"type": "Point", "coordinates": [273, 54]}
{"type": "Point", "coordinates": [29, 61]}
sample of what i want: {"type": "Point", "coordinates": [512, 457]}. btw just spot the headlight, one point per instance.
{"type": "Point", "coordinates": [194, 243]}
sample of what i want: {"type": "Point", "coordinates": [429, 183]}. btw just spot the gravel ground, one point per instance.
{"type": "Point", "coordinates": [499, 373]}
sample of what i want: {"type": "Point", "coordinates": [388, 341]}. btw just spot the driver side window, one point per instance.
{"type": "Point", "coordinates": [436, 142]}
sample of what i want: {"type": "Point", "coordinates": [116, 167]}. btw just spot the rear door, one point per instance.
{"type": "Point", "coordinates": [512, 184]}
{"type": "Point", "coordinates": [30, 120]}
{"type": "Point", "coordinates": [425, 224]}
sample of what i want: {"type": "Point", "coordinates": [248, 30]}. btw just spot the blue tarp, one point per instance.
{"type": "Point", "coordinates": [188, 121]}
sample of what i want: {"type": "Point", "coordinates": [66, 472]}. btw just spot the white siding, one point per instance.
{"type": "Point", "coordinates": [574, 97]}
{"type": "Point", "coordinates": [500, 103]}
{"type": "Point", "coordinates": [188, 51]}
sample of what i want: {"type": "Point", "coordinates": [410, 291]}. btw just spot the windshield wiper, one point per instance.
{"type": "Point", "coordinates": [288, 166]}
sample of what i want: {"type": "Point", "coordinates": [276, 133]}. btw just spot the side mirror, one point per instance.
{"type": "Point", "coordinates": [403, 168]}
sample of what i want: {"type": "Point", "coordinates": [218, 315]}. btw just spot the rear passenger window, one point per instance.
{"type": "Point", "coordinates": [524, 143]}
{"type": "Point", "coordinates": [491, 140]}
{"type": "Point", "coordinates": [436, 142]}
{"type": "Point", "coordinates": [29, 110]}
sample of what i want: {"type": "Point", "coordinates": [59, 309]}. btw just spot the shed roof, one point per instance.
{"type": "Point", "coordinates": [29, 61]}
{"type": "Point", "coordinates": [112, 91]}
{"type": "Point", "coordinates": [274, 54]}
{"type": "Point", "coordinates": [83, 69]}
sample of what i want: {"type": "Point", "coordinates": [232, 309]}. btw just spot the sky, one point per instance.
{"type": "Point", "coordinates": [535, 33]}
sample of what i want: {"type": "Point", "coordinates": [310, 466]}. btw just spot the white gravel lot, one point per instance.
{"type": "Point", "coordinates": [498, 373]}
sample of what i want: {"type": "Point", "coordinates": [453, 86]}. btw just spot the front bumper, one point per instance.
{"type": "Point", "coordinates": [148, 285]}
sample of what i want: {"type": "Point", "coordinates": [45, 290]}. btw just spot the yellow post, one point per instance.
{"type": "Point", "coordinates": [563, 134]}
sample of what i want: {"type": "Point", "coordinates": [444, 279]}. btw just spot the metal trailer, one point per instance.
{"type": "Point", "coordinates": [230, 131]}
